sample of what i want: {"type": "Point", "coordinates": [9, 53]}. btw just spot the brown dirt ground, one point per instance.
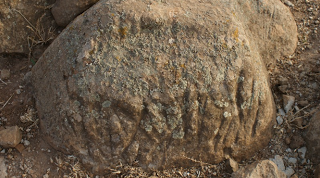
{"type": "Point", "coordinates": [302, 71]}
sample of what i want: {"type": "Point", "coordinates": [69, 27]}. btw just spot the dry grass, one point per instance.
{"type": "Point", "coordinates": [41, 35]}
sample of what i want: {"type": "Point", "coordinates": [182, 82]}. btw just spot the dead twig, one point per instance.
{"type": "Point", "coordinates": [40, 35]}
{"type": "Point", "coordinates": [7, 101]}
{"type": "Point", "coordinates": [3, 82]}
{"type": "Point", "coordinates": [35, 123]}
{"type": "Point", "coordinates": [196, 161]}
{"type": "Point", "coordinates": [302, 109]}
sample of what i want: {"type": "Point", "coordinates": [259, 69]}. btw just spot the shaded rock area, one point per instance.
{"type": "Point", "coordinates": [24, 24]}
{"type": "Point", "coordinates": [155, 83]}
{"type": "Point", "coordinates": [64, 11]}
{"type": "Point", "coordinates": [313, 138]}
{"type": "Point", "coordinates": [260, 169]}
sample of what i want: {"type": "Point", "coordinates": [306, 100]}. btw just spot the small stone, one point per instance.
{"type": "Point", "coordinates": [20, 147]}
{"type": "Point", "coordinates": [10, 137]}
{"type": "Point", "coordinates": [283, 81]}
{"type": "Point", "coordinates": [231, 165]}
{"type": "Point", "coordinates": [296, 142]}
{"type": "Point", "coordinates": [287, 140]}
{"type": "Point", "coordinates": [303, 103]}
{"type": "Point", "coordinates": [279, 120]}
{"type": "Point", "coordinates": [289, 171]}
{"type": "Point", "coordinates": [288, 102]}
{"type": "Point", "coordinates": [283, 88]}
{"type": "Point", "coordinates": [288, 3]}
{"type": "Point", "coordinates": [26, 143]}
{"type": "Point", "coordinates": [281, 112]}
{"type": "Point", "coordinates": [3, 167]}
{"type": "Point", "coordinates": [10, 156]}
{"type": "Point", "coordinates": [272, 151]}
{"type": "Point", "coordinates": [303, 162]}
{"type": "Point", "coordinates": [3, 151]}
{"type": "Point", "coordinates": [5, 74]}
{"type": "Point", "coordinates": [18, 91]}
{"type": "Point", "coordinates": [292, 160]}
{"type": "Point", "coordinates": [279, 162]}
{"type": "Point", "coordinates": [315, 86]}
{"type": "Point", "coordinates": [288, 150]}
{"type": "Point", "coordinates": [294, 176]}
{"type": "Point", "coordinates": [298, 122]}
{"type": "Point", "coordinates": [302, 152]}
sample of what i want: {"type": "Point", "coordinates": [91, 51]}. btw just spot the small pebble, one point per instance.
{"type": "Point", "coordinates": [298, 121]}
{"type": "Point", "coordinates": [26, 143]}
{"type": "Point", "coordinates": [283, 88]}
{"type": "Point", "coordinates": [303, 103]}
{"type": "Point", "coordinates": [289, 171]}
{"type": "Point", "coordinates": [283, 81]}
{"type": "Point", "coordinates": [288, 3]}
{"type": "Point", "coordinates": [288, 102]}
{"type": "Point", "coordinates": [5, 74]}
{"type": "Point", "coordinates": [288, 140]}
{"type": "Point", "coordinates": [281, 112]}
{"type": "Point", "coordinates": [302, 152]}
{"type": "Point", "coordinates": [315, 86]}
{"type": "Point", "coordinates": [18, 91]}
{"type": "Point", "coordinates": [279, 120]}
{"type": "Point", "coordinates": [292, 160]}
{"type": "Point", "coordinates": [272, 151]}
{"type": "Point", "coordinates": [279, 162]}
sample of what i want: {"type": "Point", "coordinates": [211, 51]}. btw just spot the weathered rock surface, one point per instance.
{"type": "Point", "coordinates": [312, 138]}
{"type": "Point", "coordinates": [10, 136]}
{"type": "Point", "coordinates": [158, 82]}
{"type": "Point", "coordinates": [64, 11]}
{"type": "Point", "coordinates": [261, 169]}
{"type": "Point", "coordinates": [14, 17]}
{"type": "Point", "coordinates": [317, 172]}
{"type": "Point", "coordinates": [3, 167]}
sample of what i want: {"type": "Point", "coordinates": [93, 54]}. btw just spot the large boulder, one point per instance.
{"type": "Point", "coordinates": [155, 83]}
{"type": "Point", "coordinates": [64, 11]}
{"type": "Point", "coordinates": [24, 21]}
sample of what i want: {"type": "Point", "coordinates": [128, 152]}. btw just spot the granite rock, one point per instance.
{"type": "Point", "coordinates": [158, 82]}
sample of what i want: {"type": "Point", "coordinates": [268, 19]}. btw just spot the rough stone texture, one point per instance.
{"type": "Point", "coordinates": [279, 162]}
{"type": "Point", "coordinates": [10, 136]}
{"type": "Point", "coordinates": [3, 167]}
{"type": "Point", "coordinates": [14, 32]}
{"type": "Point", "coordinates": [158, 82]}
{"type": "Point", "coordinates": [231, 165]}
{"type": "Point", "coordinates": [261, 169]}
{"type": "Point", "coordinates": [64, 11]}
{"type": "Point", "coordinates": [317, 171]}
{"type": "Point", "coordinates": [312, 138]}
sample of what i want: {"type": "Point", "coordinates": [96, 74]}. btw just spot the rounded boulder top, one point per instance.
{"type": "Point", "coordinates": [159, 82]}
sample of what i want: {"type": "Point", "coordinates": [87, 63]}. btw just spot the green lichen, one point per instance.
{"type": "Point", "coordinates": [106, 104]}
{"type": "Point", "coordinates": [178, 134]}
